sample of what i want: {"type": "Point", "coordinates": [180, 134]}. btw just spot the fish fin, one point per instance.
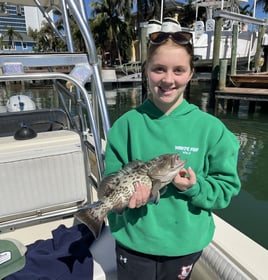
{"type": "Point", "coordinates": [155, 194]}
{"type": "Point", "coordinates": [91, 205]}
{"type": "Point", "coordinates": [131, 166]}
{"type": "Point", "coordinates": [155, 198]}
{"type": "Point", "coordinates": [92, 216]}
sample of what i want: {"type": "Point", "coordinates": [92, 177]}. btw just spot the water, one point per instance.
{"type": "Point", "coordinates": [247, 211]}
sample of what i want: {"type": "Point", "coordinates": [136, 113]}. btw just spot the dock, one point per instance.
{"type": "Point", "coordinates": [249, 94]}
{"type": "Point", "coordinates": [259, 79]}
{"type": "Point", "coordinates": [233, 96]}
{"type": "Point", "coordinates": [250, 87]}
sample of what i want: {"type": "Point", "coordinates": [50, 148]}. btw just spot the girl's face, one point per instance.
{"type": "Point", "coordinates": [168, 71]}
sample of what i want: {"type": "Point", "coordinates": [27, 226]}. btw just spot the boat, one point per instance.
{"type": "Point", "coordinates": [52, 161]}
{"type": "Point", "coordinates": [203, 31]}
{"type": "Point", "coordinates": [257, 80]}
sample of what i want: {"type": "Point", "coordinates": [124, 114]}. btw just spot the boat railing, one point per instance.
{"type": "Point", "coordinates": [85, 68]}
{"type": "Point", "coordinates": [42, 59]}
{"type": "Point", "coordinates": [78, 11]}
{"type": "Point", "coordinates": [83, 98]}
{"type": "Point", "coordinates": [129, 68]}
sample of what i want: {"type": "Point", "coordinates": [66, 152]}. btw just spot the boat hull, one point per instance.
{"type": "Point", "coordinates": [204, 45]}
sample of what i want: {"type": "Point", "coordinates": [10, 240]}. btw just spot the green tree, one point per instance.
{"type": "Point", "coordinates": [187, 15]}
{"type": "Point", "coordinates": [11, 33]}
{"type": "Point", "coordinates": [46, 40]}
{"type": "Point", "coordinates": [245, 10]}
{"type": "Point", "coordinates": [108, 28]}
{"type": "Point", "coordinates": [78, 41]}
{"type": "Point", "coordinates": [148, 9]}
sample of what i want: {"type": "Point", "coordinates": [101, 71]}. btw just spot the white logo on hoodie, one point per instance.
{"type": "Point", "coordinates": [186, 149]}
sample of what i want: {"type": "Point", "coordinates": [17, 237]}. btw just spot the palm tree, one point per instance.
{"type": "Point", "coordinates": [124, 8]}
{"type": "Point", "coordinates": [186, 15]}
{"type": "Point", "coordinates": [108, 27]}
{"type": "Point", "coordinates": [148, 9]}
{"type": "Point", "coordinates": [12, 34]}
{"type": "Point", "coordinates": [47, 40]}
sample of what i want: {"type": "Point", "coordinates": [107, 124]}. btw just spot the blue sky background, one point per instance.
{"type": "Point", "coordinates": [259, 10]}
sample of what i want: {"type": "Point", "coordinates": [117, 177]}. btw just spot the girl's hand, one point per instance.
{"type": "Point", "coordinates": [140, 197]}
{"type": "Point", "coordinates": [185, 179]}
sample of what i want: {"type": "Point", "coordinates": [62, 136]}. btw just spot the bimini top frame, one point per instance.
{"type": "Point", "coordinates": [90, 60]}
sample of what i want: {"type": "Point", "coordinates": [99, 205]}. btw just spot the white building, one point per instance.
{"type": "Point", "coordinates": [33, 18]}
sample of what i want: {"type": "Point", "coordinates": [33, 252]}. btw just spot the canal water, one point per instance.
{"type": "Point", "coordinates": [248, 211]}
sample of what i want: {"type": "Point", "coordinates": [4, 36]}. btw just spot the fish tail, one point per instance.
{"type": "Point", "coordinates": [93, 218]}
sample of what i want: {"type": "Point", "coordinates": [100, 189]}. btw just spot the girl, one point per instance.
{"type": "Point", "coordinates": [164, 241]}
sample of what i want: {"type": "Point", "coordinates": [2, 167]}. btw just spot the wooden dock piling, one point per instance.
{"type": "Point", "coordinates": [215, 61]}
{"type": "Point", "coordinates": [233, 95]}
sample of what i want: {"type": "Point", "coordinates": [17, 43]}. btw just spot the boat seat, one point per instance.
{"type": "Point", "coordinates": [40, 120]}
{"type": "Point", "coordinates": [42, 178]}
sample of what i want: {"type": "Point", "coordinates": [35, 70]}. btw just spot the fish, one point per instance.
{"type": "Point", "coordinates": [115, 190]}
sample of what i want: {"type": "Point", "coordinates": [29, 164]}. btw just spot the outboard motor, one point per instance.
{"type": "Point", "coordinates": [17, 103]}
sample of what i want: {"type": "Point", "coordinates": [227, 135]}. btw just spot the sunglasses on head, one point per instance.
{"type": "Point", "coordinates": [182, 38]}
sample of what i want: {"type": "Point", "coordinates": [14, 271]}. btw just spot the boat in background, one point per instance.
{"type": "Point", "coordinates": [204, 32]}
{"type": "Point", "coordinates": [52, 160]}
{"type": "Point", "coordinates": [256, 80]}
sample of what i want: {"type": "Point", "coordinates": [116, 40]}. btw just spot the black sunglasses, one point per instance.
{"type": "Point", "coordinates": [181, 37]}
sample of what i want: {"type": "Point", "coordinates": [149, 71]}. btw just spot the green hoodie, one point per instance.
{"type": "Point", "coordinates": [181, 223]}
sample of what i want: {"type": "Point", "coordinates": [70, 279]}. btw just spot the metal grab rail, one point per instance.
{"type": "Point", "coordinates": [79, 15]}
{"type": "Point", "coordinates": [76, 8]}
{"type": "Point", "coordinates": [65, 77]}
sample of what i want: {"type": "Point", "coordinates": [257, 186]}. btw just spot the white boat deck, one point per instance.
{"type": "Point", "coordinates": [231, 255]}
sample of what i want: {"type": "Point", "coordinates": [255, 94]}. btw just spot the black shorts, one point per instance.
{"type": "Point", "coordinates": [132, 265]}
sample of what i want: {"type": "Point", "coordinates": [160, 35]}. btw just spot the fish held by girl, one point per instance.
{"type": "Point", "coordinates": [115, 190]}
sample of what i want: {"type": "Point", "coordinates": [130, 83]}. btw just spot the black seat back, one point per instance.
{"type": "Point", "coordinates": [40, 120]}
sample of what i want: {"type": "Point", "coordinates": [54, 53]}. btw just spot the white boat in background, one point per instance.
{"type": "Point", "coordinates": [51, 161]}
{"type": "Point", "coordinates": [204, 32]}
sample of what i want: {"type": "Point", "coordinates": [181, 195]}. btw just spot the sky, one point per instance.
{"type": "Point", "coordinates": [259, 12]}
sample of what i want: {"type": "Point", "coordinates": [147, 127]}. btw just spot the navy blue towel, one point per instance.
{"type": "Point", "coordinates": [64, 257]}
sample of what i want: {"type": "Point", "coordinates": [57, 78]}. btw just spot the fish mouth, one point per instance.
{"type": "Point", "coordinates": [179, 164]}
{"type": "Point", "coordinates": [175, 161]}
{"type": "Point", "coordinates": [171, 169]}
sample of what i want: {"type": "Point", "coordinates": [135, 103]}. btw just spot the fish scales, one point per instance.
{"type": "Point", "coordinates": [115, 191]}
